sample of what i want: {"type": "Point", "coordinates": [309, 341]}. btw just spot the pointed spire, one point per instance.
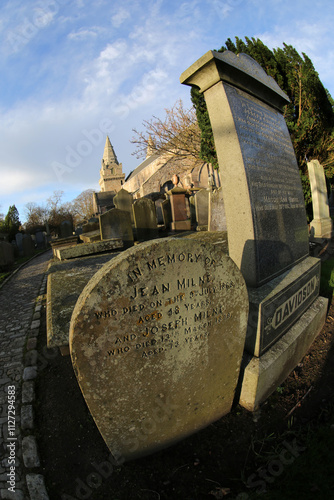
{"type": "Point", "coordinates": [150, 147]}
{"type": "Point", "coordinates": [109, 155]}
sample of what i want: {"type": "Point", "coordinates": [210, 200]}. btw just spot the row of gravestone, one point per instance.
{"type": "Point", "coordinates": [161, 334]}
{"type": "Point", "coordinates": [27, 243]}
{"type": "Point", "coordinates": [24, 245]}
{"type": "Point", "coordinates": [199, 210]}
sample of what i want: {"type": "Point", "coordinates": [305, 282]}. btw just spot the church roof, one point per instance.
{"type": "Point", "coordinates": [109, 155]}
{"type": "Point", "coordinates": [140, 167]}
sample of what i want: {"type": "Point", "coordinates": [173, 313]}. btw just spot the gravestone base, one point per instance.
{"type": "Point", "coordinates": [90, 236]}
{"type": "Point", "coordinates": [181, 225]}
{"type": "Point", "coordinates": [262, 375]}
{"type": "Point", "coordinates": [63, 242]}
{"type": "Point", "coordinates": [66, 280]}
{"type": "Point", "coordinates": [89, 248]}
{"type": "Point", "coordinates": [275, 306]}
{"type": "Point", "coordinates": [321, 228]}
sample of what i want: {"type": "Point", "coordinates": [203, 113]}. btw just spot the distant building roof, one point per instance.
{"type": "Point", "coordinates": [143, 165]}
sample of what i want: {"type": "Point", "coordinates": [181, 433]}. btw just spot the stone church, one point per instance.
{"type": "Point", "coordinates": [152, 177]}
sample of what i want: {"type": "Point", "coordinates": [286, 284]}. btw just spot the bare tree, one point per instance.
{"type": "Point", "coordinates": [82, 206]}
{"type": "Point", "coordinates": [36, 215]}
{"type": "Point", "coordinates": [58, 211]}
{"type": "Point", "coordinates": [177, 135]}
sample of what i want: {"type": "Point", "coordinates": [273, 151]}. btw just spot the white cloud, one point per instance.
{"type": "Point", "coordinates": [15, 183]}
{"type": "Point", "coordinates": [83, 33]}
{"type": "Point", "coordinates": [121, 15]}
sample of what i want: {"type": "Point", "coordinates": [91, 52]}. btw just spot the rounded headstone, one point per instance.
{"type": "Point", "coordinates": [156, 341]}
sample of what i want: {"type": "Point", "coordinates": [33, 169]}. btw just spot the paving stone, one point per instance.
{"type": "Point", "coordinates": [32, 343]}
{"type": "Point", "coordinates": [28, 392]}
{"type": "Point", "coordinates": [33, 333]}
{"type": "Point", "coordinates": [31, 358]}
{"type": "Point", "coordinates": [36, 487]}
{"type": "Point", "coordinates": [35, 324]}
{"type": "Point", "coordinates": [30, 373]}
{"type": "Point", "coordinates": [30, 453]}
{"type": "Point", "coordinates": [36, 316]}
{"type": "Point", "coordinates": [8, 495]}
{"type": "Point", "coordinates": [4, 381]}
{"type": "Point", "coordinates": [27, 417]}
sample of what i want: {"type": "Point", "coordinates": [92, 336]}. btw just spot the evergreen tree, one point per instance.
{"type": "Point", "coordinates": [309, 116]}
{"type": "Point", "coordinates": [11, 223]}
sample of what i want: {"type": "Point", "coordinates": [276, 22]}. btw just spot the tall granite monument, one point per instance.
{"type": "Point", "coordinates": [265, 215]}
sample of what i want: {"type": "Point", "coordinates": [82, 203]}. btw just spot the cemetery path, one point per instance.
{"type": "Point", "coordinates": [20, 311]}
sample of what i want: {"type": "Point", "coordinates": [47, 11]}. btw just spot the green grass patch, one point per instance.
{"type": "Point", "coordinates": [3, 276]}
{"type": "Point", "coordinates": [327, 278]}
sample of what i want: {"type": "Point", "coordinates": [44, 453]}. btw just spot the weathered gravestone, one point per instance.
{"type": "Point", "coordinates": [66, 229]}
{"type": "Point", "coordinates": [116, 223]}
{"type": "Point", "coordinates": [156, 341]}
{"type": "Point", "coordinates": [158, 208]}
{"type": "Point", "coordinates": [145, 219]}
{"type": "Point", "coordinates": [322, 224]}
{"type": "Point", "coordinates": [217, 217]}
{"type": "Point", "coordinates": [202, 208]}
{"type": "Point", "coordinates": [40, 240]}
{"type": "Point", "coordinates": [27, 245]}
{"type": "Point", "coordinates": [265, 215]}
{"type": "Point", "coordinates": [123, 200]}
{"type": "Point", "coordinates": [166, 213]}
{"type": "Point", "coordinates": [18, 239]}
{"type": "Point", "coordinates": [180, 209]}
{"type": "Point", "coordinates": [192, 209]}
{"type": "Point", "coordinates": [6, 255]}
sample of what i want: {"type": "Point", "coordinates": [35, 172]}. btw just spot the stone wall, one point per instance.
{"type": "Point", "coordinates": [155, 175]}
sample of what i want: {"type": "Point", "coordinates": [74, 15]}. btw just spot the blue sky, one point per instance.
{"type": "Point", "coordinates": [73, 71]}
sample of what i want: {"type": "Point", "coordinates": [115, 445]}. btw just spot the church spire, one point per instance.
{"type": "Point", "coordinates": [109, 155]}
{"type": "Point", "coordinates": [111, 175]}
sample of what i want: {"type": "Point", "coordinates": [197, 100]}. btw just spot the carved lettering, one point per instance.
{"type": "Point", "coordinates": [143, 291]}
{"type": "Point", "coordinates": [134, 274]}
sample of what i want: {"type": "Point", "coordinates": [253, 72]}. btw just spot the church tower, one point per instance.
{"type": "Point", "coordinates": [111, 175]}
